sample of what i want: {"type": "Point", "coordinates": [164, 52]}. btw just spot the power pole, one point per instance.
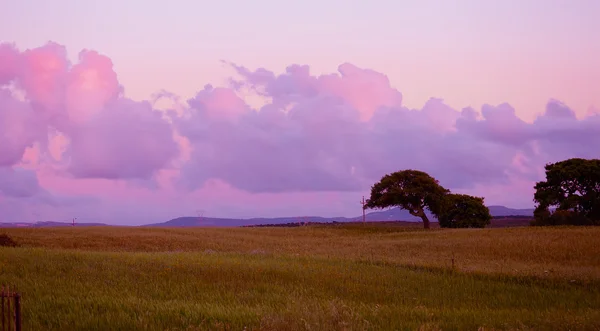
{"type": "Point", "coordinates": [200, 213]}
{"type": "Point", "coordinates": [363, 204]}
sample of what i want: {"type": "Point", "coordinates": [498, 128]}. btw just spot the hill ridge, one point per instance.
{"type": "Point", "coordinates": [392, 214]}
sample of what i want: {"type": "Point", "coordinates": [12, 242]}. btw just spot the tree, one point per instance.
{"type": "Point", "coordinates": [463, 211]}
{"type": "Point", "coordinates": [412, 190]}
{"type": "Point", "coordinates": [572, 189]}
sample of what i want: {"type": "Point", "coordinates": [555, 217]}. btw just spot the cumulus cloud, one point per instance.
{"type": "Point", "coordinates": [18, 128]}
{"type": "Point", "coordinates": [109, 136]}
{"type": "Point", "coordinates": [363, 89]}
{"type": "Point", "coordinates": [9, 62]}
{"type": "Point", "coordinates": [335, 132]}
{"type": "Point", "coordinates": [341, 132]}
{"type": "Point", "coordinates": [126, 140]}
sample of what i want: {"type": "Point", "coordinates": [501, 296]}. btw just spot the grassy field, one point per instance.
{"type": "Point", "coordinates": [349, 277]}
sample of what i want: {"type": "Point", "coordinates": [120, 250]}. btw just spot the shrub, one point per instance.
{"type": "Point", "coordinates": [6, 241]}
{"type": "Point", "coordinates": [562, 217]}
{"type": "Point", "coordinates": [463, 211]}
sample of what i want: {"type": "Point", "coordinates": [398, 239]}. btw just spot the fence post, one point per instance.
{"type": "Point", "coordinates": [17, 312]}
{"type": "Point", "coordinates": [9, 309]}
{"type": "Point", "coordinates": [2, 304]}
{"type": "Point", "coordinates": [10, 317]}
{"type": "Point", "coordinates": [10, 314]}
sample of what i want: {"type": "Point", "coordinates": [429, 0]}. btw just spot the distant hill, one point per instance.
{"type": "Point", "coordinates": [499, 222]}
{"type": "Point", "coordinates": [498, 211]}
{"type": "Point", "coordinates": [209, 221]}
{"type": "Point", "coordinates": [46, 224]}
{"type": "Point", "coordinates": [404, 215]}
{"type": "Point", "coordinates": [393, 214]}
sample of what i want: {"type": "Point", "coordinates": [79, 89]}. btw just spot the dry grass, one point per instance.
{"type": "Point", "coordinates": [348, 277]}
{"type": "Point", "coordinates": [563, 252]}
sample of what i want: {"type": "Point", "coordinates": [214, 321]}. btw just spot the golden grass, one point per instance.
{"type": "Point", "coordinates": [563, 252]}
{"type": "Point", "coordinates": [349, 277]}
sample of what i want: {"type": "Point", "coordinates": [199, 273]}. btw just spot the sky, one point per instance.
{"type": "Point", "coordinates": [135, 112]}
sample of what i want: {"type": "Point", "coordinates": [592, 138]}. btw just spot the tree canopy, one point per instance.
{"type": "Point", "coordinates": [412, 190]}
{"type": "Point", "coordinates": [416, 191]}
{"type": "Point", "coordinates": [572, 190]}
{"type": "Point", "coordinates": [463, 211]}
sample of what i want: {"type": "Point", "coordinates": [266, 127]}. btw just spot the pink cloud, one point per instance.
{"type": "Point", "coordinates": [18, 128]}
{"type": "Point", "coordinates": [70, 138]}
{"type": "Point", "coordinates": [127, 139]}
{"type": "Point", "coordinates": [363, 89]}
{"type": "Point", "coordinates": [91, 84]}
{"type": "Point", "coordinates": [9, 63]}
{"type": "Point", "coordinates": [42, 76]}
{"type": "Point", "coordinates": [109, 136]}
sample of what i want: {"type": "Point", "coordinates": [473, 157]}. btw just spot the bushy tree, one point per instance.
{"type": "Point", "coordinates": [412, 190]}
{"type": "Point", "coordinates": [463, 211]}
{"type": "Point", "coordinates": [572, 190]}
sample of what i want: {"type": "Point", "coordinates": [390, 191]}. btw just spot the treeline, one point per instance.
{"type": "Point", "coordinates": [572, 188]}
{"type": "Point", "coordinates": [513, 217]}
{"type": "Point", "coordinates": [570, 195]}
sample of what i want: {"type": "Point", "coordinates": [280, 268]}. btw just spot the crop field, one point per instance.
{"type": "Point", "coordinates": [343, 277]}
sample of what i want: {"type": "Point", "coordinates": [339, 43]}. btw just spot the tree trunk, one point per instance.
{"type": "Point", "coordinates": [425, 221]}
{"type": "Point", "coordinates": [421, 213]}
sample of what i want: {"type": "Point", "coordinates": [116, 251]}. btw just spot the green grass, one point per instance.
{"type": "Point", "coordinates": [312, 278]}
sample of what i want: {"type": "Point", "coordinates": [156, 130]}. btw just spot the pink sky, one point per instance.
{"type": "Point", "coordinates": [299, 121]}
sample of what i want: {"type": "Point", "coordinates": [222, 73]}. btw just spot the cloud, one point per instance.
{"type": "Point", "coordinates": [18, 128]}
{"type": "Point", "coordinates": [18, 183]}
{"type": "Point", "coordinates": [561, 135]}
{"type": "Point", "coordinates": [343, 132]}
{"type": "Point", "coordinates": [363, 89]}
{"type": "Point", "coordinates": [41, 75]}
{"type": "Point", "coordinates": [109, 136]}
{"type": "Point", "coordinates": [126, 139]}
{"type": "Point", "coordinates": [313, 134]}
{"type": "Point", "coordinates": [555, 135]}
{"type": "Point", "coordinates": [268, 150]}
{"type": "Point", "coordinates": [9, 63]}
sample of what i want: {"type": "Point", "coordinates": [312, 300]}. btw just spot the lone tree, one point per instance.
{"type": "Point", "coordinates": [412, 190]}
{"type": "Point", "coordinates": [572, 189]}
{"type": "Point", "coordinates": [463, 211]}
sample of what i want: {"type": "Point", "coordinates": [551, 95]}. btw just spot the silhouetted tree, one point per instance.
{"type": "Point", "coordinates": [412, 190]}
{"type": "Point", "coordinates": [463, 211]}
{"type": "Point", "coordinates": [572, 189]}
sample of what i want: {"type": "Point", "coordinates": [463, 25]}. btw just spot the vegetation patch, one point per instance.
{"type": "Point", "coordinates": [6, 241]}
{"type": "Point", "coordinates": [347, 277]}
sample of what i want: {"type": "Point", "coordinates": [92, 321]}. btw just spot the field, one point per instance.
{"type": "Point", "coordinates": [345, 277]}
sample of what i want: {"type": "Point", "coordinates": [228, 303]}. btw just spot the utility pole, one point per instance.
{"type": "Point", "coordinates": [363, 204]}
{"type": "Point", "coordinates": [200, 213]}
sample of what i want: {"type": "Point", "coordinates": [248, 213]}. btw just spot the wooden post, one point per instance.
{"type": "Point", "coordinates": [2, 319]}
{"type": "Point", "coordinates": [363, 204]}
{"type": "Point", "coordinates": [9, 309]}
{"type": "Point", "coordinates": [10, 314]}
{"type": "Point", "coordinates": [17, 312]}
